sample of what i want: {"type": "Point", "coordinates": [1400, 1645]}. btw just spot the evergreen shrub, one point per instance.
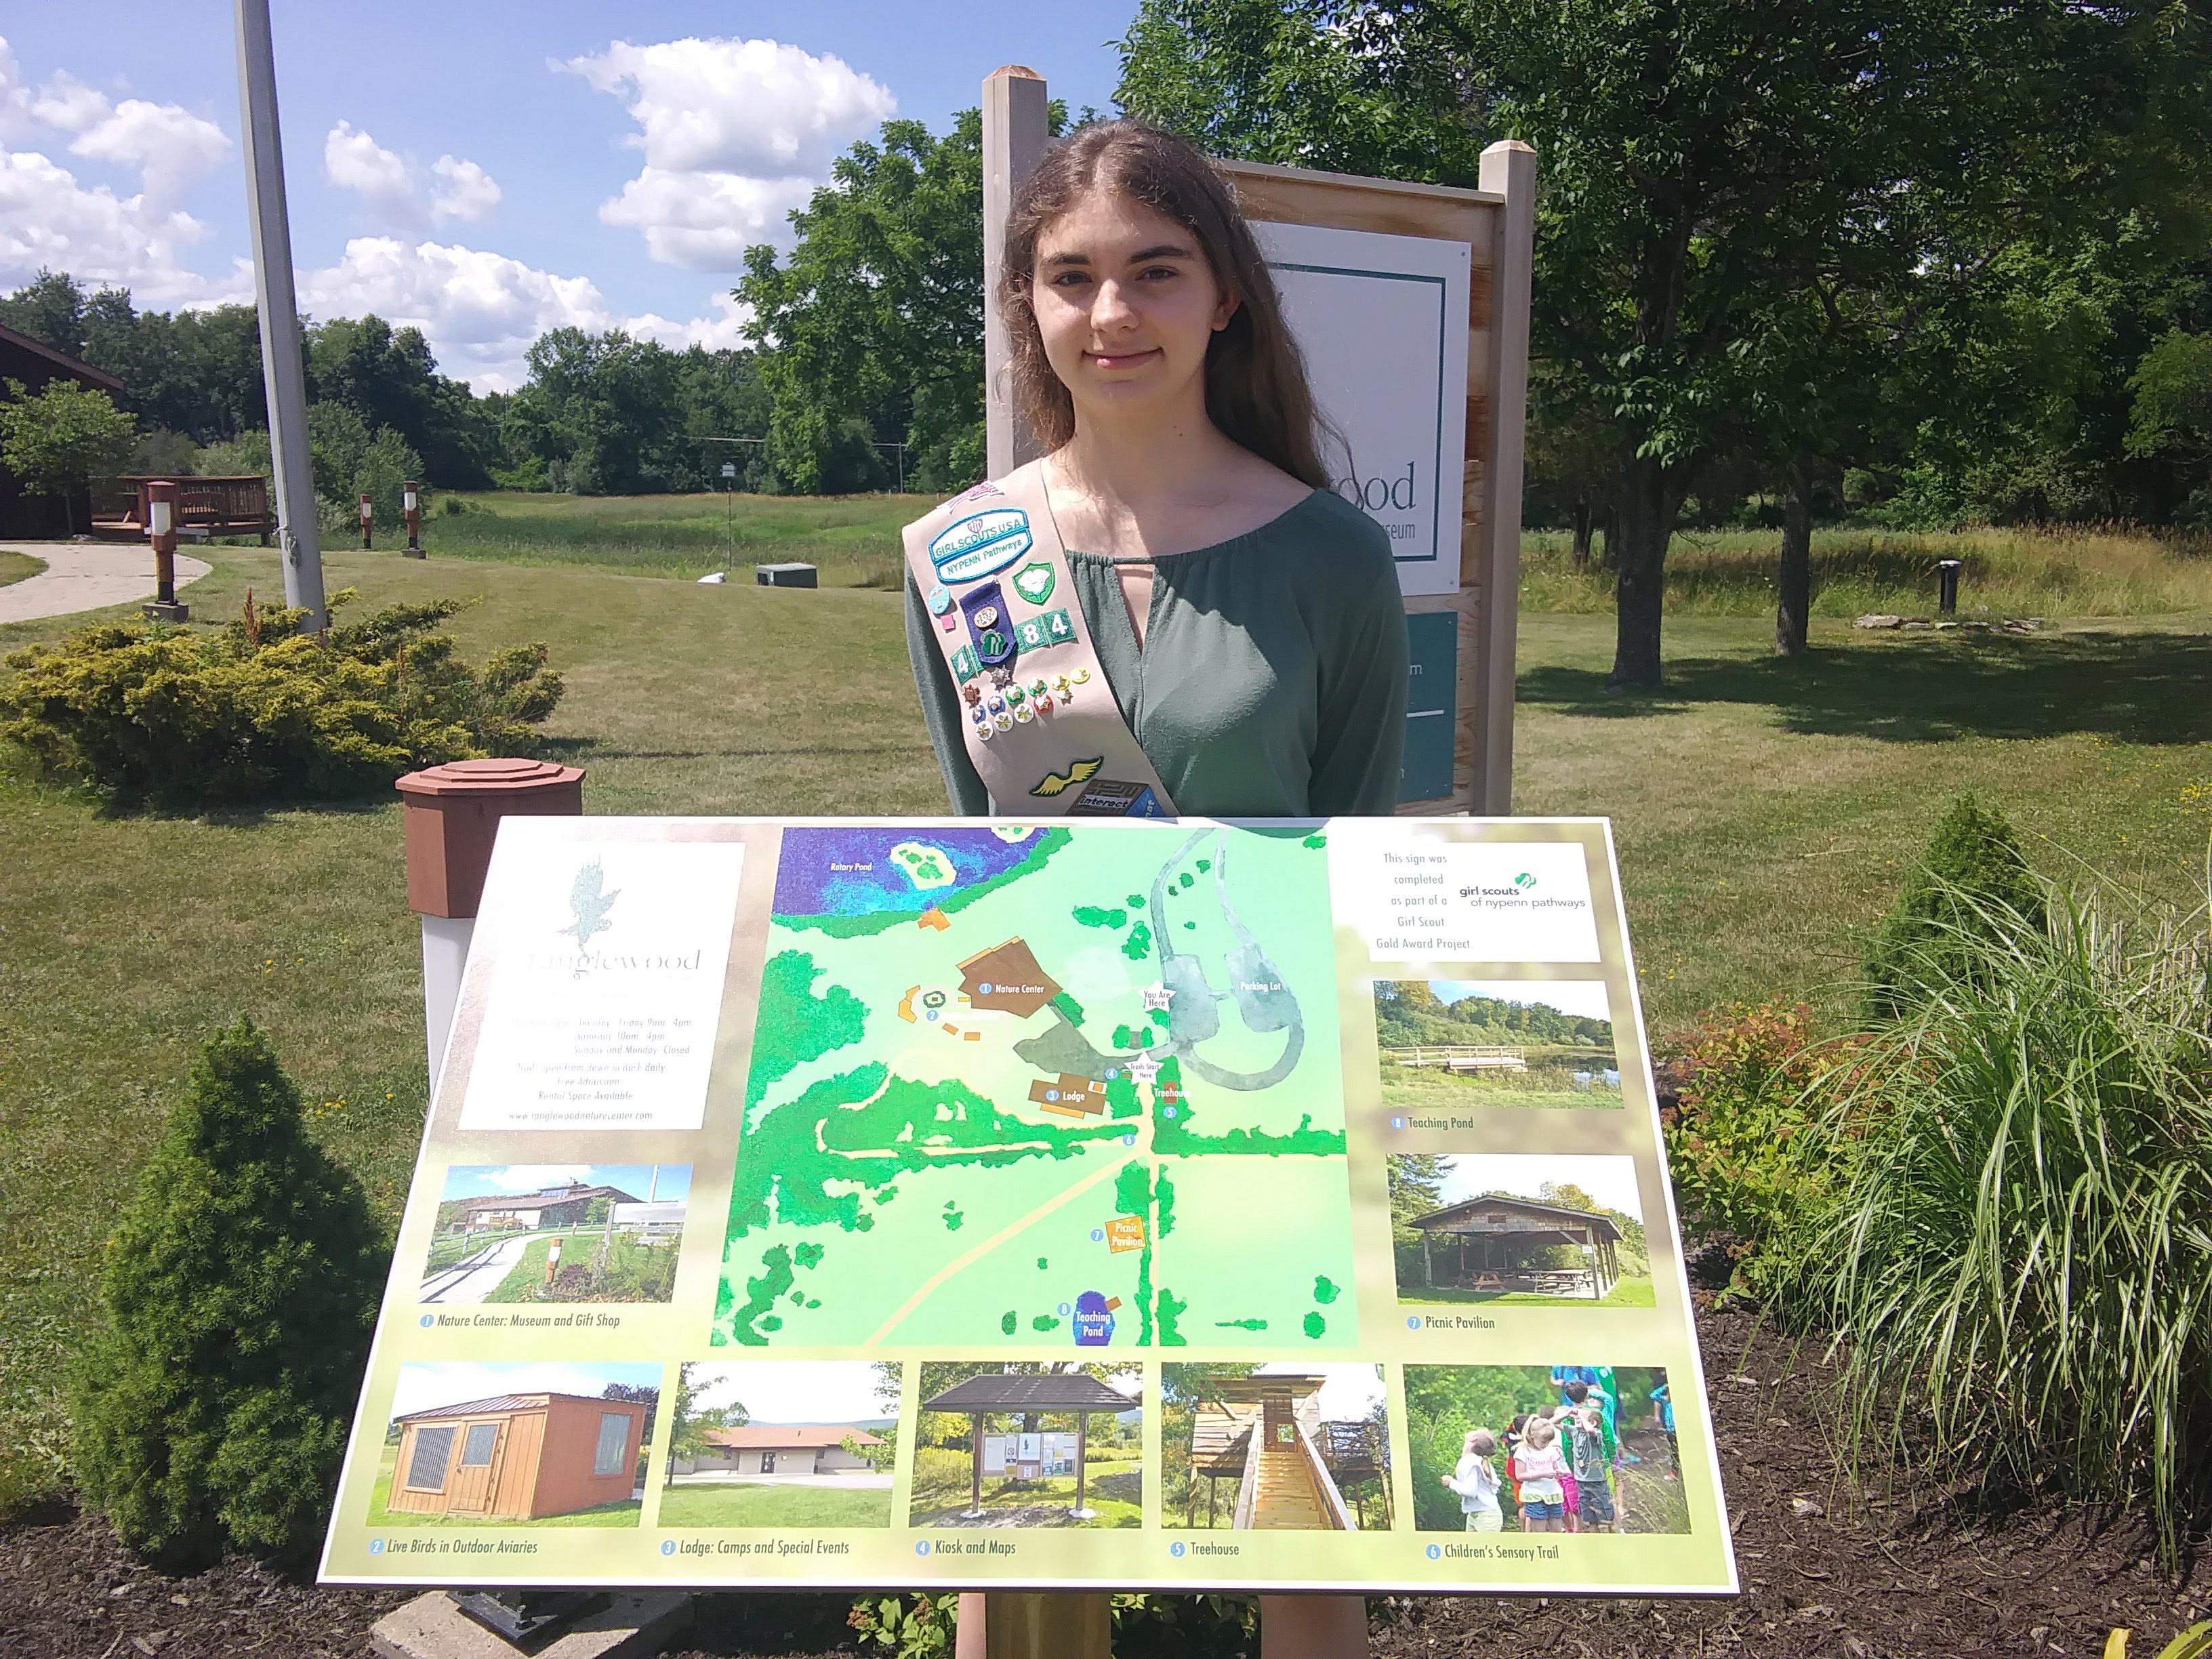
{"type": "Point", "coordinates": [1972, 882]}
{"type": "Point", "coordinates": [256, 710]}
{"type": "Point", "coordinates": [239, 1289]}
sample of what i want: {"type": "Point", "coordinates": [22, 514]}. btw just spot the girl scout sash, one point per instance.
{"type": "Point", "coordinates": [1041, 722]}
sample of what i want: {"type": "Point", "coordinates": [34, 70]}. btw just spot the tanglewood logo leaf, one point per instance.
{"type": "Point", "coordinates": [589, 902]}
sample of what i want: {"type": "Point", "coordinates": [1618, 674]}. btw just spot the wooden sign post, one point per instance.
{"type": "Point", "coordinates": [1379, 262]}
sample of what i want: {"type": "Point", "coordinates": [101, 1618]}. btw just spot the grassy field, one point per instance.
{"type": "Point", "coordinates": [1764, 813]}
{"type": "Point", "coordinates": [1429, 1088]}
{"type": "Point", "coordinates": [1730, 573]}
{"type": "Point", "coordinates": [635, 1272]}
{"type": "Point", "coordinates": [15, 566]}
{"type": "Point", "coordinates": [1113, 1486]}
{"type": "Point", "coordinates": [762, 1503]}
{"type": "Point", "coordinates": [625, 1514]}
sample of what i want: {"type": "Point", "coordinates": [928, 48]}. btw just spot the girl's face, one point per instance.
{"type": "Point", "coordinates": [1126, 304]}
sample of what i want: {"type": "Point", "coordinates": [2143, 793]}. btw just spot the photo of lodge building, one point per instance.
{"type": "Point", "coordinates": [1265, 1433]}
{"type": "Point", "coordinates": [1484, 1244]}
{"type": "Point", "coordinates": [517, 1455]}
{"type": "Point", "coordinates": [768, 1448]}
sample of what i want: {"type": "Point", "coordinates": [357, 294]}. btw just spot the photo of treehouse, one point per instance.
{"type": "Point", "coordinates": [1277, 1447]}
{"type": "Point", "coordinates": [1543, 1229]}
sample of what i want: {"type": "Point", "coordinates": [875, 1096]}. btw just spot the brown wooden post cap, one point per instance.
{"type": "Point", "coordinates": [452, 815]}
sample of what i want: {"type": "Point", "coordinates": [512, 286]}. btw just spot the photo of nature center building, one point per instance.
{"type": "Point", "coordinates": [522, 1456]}
{"type": "Point", "coordinates": [1271, 1462]}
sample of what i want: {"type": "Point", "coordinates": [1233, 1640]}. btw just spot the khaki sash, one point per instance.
{"type": "Point", "coordinates": [1041, 723]}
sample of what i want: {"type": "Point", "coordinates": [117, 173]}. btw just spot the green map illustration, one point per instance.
{"type": "Point", "coordinates": [1048, 1085]}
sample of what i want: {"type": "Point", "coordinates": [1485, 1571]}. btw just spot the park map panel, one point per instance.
{"type": "Point", "coordinates": [1183, 1206]}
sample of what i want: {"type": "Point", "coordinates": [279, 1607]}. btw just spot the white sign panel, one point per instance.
{"type": "Point", "coordinates": [1383, 323]}
{"type": "Point", "coordinates": [1444, 901]}
{"type": "Point", "coordinates": [601, 1002]}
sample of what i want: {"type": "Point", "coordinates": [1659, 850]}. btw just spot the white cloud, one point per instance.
{"type": "Point", "coordinates": [469, 192]}
{"type": "Point", "coordinates": [395, 189]}
{"type": "Point", "coordinates": [170, 148]}
{"type": "Point", "coordinates": [48, 219]}
{"type": "Point", "coordinates": [735, 134]}
{"type": "Point", "coordinates": [725, 331]}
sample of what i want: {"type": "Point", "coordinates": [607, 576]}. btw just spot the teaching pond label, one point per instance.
{"type": "Point", "coordinates": [1173, 1205]}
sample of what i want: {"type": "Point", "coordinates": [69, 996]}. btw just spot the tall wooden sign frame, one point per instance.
{"type": "Point", "coordinates": [1496, 223]}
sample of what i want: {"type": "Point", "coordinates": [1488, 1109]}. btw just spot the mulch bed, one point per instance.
{"type": "Point", "coordinates": [1822, 1576]}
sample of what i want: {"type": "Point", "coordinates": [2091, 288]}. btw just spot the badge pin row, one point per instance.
{"type": "Point", "coordinates": [1018, 704]}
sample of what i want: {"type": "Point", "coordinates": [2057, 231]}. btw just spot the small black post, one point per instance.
{"type": "Point", "coordinates": [1946, 580]}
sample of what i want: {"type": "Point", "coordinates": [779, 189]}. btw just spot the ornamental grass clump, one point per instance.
{"type": "Point", "coordinates": [238, 1292]}
{"type": "Point", "coordinates": [257, 711]}
{"type": "Point", "coordinates": [2017, 1261]}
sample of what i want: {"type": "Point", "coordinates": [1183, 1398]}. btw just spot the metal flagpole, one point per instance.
{"type": "Point", "coordinates": [284, 374]}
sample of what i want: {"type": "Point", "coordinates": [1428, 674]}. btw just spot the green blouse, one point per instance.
{"type": "Point", "coordinates": [1272, 680]}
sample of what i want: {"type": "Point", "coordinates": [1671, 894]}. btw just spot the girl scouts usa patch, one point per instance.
{"type": "Point", "coordinates": [981, 544]}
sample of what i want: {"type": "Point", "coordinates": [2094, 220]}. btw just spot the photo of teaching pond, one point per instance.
{"type": "Point", "coordinates": [1449, 1044]}
{"type": "Point", "coordinates": [552, 1444]}
{"type": "Point", "coordinates": [1027, 1444]}
{"type": "Point", "coordinates": [557, 1232]}
{"type": "Point", "coordinates": [1604, 1459]}
{"type": "Point", "coordinates": [783, 1443]}
{"type": "Point", "coordinates": [1542, 1230]}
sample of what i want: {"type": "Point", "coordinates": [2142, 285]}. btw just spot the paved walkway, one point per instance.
{"type": "Point", "coordinates": [85, 576]}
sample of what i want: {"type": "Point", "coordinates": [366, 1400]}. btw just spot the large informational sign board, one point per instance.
{"type": "Point", "coordinates": [1191, 1206]}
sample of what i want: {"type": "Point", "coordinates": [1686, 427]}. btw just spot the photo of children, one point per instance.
{"type": "Point", "coordinates": [550, 1445]}
{"type": "Point", "coordinates": [1544, 1230]}
{"type": "Point", "coordinates": [1448, 1045]}
{"type": "Point", "coordinates": [782, 1444]}
{"type": "Point", "coordinates": [1285, 1445]}
{"type": "Point", "coordinates": [1027, 1444]}
{"type": "Point", "coordinates": [557, 1232]}
{"type": "Point", "coordinates": [1544, 1449]}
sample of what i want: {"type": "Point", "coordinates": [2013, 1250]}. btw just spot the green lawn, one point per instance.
{"type": "Point", "coordinates": [624, 1514]}
{"type": "Point", "coordinates": [1112, 1486]}
{"type": "Point", "coordinates": [760, 1504]}
{"type": "Point", "coordinates": [1765, 810]}
{"type": "Point", "coordinates": [1628, 1293]}
{"type": "Point", "coordinates": [15, 566]}
{"type": "Point", "coordinates": [1424, 1087]}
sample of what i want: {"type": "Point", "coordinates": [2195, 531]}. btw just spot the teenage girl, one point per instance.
{"type": "Point", "coordinates": [1246, 616]}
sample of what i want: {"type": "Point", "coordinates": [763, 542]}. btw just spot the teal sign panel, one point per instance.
{"type": "Point", "coordinates": [1432, 705]}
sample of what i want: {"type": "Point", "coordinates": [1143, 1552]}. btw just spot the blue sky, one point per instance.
{"type": "Point", "coordinates": [476, 1180]}
{"type": "Point", "coordinates": [483, 170]}
{"type": "Point", "coordinates": [1609, 1178]}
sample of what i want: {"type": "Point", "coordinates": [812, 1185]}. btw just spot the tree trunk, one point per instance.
{"type": "Point", "coordinates": [1610, 559]}
{"type": "Point", "coordinates": [1795, 586]}
{"type": "Point", "coordinates": [1582, 533]}
{"type": "Point", "coordinates": [1648, 501]}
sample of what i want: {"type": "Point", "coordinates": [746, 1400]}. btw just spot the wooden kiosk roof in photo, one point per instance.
{"type": "Point", "coordinates": [1029, 1391]}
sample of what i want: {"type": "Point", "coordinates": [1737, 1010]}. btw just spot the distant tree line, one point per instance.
{"type": "Point", "coordinates": [1409, 1015]}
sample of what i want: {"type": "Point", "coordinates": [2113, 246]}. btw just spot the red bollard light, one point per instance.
{"type": "Point", "coordinates": [364, 523]}
{"type": "Point", "coordinates": [161, 530]}
{"type": "Point", "coordinates": [411, 500]}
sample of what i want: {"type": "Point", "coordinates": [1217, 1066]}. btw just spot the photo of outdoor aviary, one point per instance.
{"type": "Point", "coordinates": [782, 1444]}
{"type": "Point", "coordinates": [1548, 1229]}
{"type": "Point", "coordinates": [557, 1232]}
{"type": "Point", "coordinates": [1544, 1449]}
{"type": "Point", "coordinates": [1447, 1044]}
{"type": "Point", "coordinates": [1281, 1445]}
{"type": "Point", "coordinates": [1024, 1444]}
{"type": "Point", "coordinates": [550, 1445]}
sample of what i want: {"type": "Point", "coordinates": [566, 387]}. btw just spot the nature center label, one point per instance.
{"type": "Point", "coordinates": [1175, 1206]}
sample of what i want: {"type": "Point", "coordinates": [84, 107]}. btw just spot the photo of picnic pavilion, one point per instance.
{"type": "Point", "coordinates": [1485, 1245]}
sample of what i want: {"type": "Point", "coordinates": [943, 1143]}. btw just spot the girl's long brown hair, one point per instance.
{"type": "Point", "coordinates": [1256, 380]}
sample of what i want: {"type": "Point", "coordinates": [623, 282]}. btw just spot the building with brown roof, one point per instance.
{"type": "Point", "coordinates": [760, 1448]}
{"type": "Point", "coordinates": [517, 1456]}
